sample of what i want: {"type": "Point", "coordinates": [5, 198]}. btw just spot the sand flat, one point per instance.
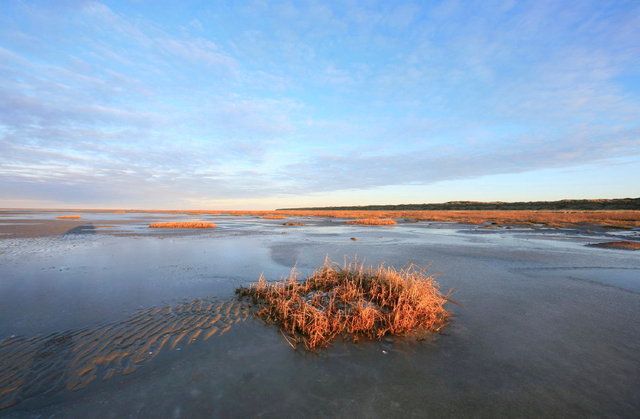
{"type": "Point", "coordinates": [539, 312]}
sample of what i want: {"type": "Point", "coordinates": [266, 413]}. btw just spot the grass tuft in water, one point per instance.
{"type": "Point", "coordinates": [185, 224]}
{"type": "Point", "coordinates": [350, 300]}
{"type": "Point", "coordinates": [373, 221]}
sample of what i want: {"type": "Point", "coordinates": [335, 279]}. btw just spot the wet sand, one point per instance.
{"type": "Point", "coordinates": [547, 326]}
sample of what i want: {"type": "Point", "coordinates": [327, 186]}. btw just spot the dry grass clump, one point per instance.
{"type": "Point", "coordinates": [373, 221]}
{"type": "Point", "coordinates": [65, 217]}
{"type": "Point", "coordinates": [626, 245]}
{"type": "Point", "coordinates": [274, 217]}
{"type": "Point", "coordinates": [293, 224]}
{"type": "Point", "coordinates": [351, 300]}
{"type": "Point", "coordinates": [185, 224]}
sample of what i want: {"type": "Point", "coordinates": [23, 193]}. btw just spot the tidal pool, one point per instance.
{"type": "Point", "coordinates": [545, 326]}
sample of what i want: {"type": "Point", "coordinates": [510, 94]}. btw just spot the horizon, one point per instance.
{"type": "Point", "coordinates": [302, 208]}
{"type": "Point", "coordinates": [266, 105]}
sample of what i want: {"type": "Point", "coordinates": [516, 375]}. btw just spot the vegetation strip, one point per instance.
{"type": "Point", "coordinates": [373, 221]}
{"type": "Point", "coordinates": [186, 224]}
{"type": "Point", "coordinates": [626, 245]}
{"type": "Point", "coordinates": [565, 204]}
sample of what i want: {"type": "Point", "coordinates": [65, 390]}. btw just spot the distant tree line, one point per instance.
{"type": "Point", "coordinates": [565, 204]}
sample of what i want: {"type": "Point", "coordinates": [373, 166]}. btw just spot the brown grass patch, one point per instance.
{"type": "Point", "coordinates": [72, 217]}
{"type": "Point", "coordinates": [273, 217]}
{"type": "Point", "coordinates": [626, 245]}
{"type": "Point", "coordinates": [185, 224]}
{"type": "Point", "coordinates": [293, 224]}
{"type": "Point", "coordinates": [613, 218]}
{"type": "Point", "coordinates": [350, 300]}
{"type": "Point", "coordinates": [372, 221]}
{"type": "Point", "coordinates": [551, 218]}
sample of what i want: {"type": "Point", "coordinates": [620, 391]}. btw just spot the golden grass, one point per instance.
{"type": "Point", "coordinates": [184, 224]}
{"type": "Point", "coordinates": [627, 245]}
{"type": "Point", "coordinates": [65, 217]}
{"type": "Point", "coordinates": [372, 221]}
{"type": "Point", "coordinates": [557, 218]}
{"type": "Point", "coordinates": [625, 219]}
{"type": "Point", "coordinates": [293, 224]}
{"type": "Point", "coordinates": [350, 300]}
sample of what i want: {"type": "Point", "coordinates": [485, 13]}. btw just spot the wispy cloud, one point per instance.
{"type": "Point", "coordinates": [272, 99]}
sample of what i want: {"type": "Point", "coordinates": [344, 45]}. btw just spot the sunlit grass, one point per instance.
{"type": "Point", "coordinates": [627, 245]}
{"type": "Point", "coordinates": [625, 219]}
{"type": "Point", "coordinates": [554, 218]}
{"type": "Point", "coordinates": [71, 217]}
{"type": "Point", "coordinates": [184, 224]}
{"type": "Point", "coordinates": [373, 221]}
{"type": "Point", "coordinates": [350, 300]}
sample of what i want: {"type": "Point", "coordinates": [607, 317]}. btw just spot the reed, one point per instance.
{"type": "Point", "coordinates": [612, 218]}
{"type": "Point", "coordinates": [372, 221]}
{"type": "Point", "coordinates": [553, 218]}
{"type": "Point", "coordinates": [626, 245]}
{"type": "Point", "coordinates": [185, 224]}
{"type": "Point", "coordinates": [350, 300]}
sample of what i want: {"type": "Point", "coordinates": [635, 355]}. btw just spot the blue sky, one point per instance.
{"type": "Point", "coordinates": [266, 104]}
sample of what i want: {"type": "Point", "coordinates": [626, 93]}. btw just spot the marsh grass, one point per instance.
{"type": "Point", "coordinates": [372, 221]}
{"type": "Point", "coordinates": [549, 218]}
{"type": "Point", "coordinates": [293, 224]}
{"type": "Point", "coordinates": [273, 217]}
{"type": "Point", "coordinates": [69, 217]}
{"type": "Point", "coordinates": [184, 224]}
{"type": "Point", "coordinates": [626, 245]}
{"type": "Point", "coordinates": [350, 300]}
{"type": "Point", "coordinates": [613, 218]}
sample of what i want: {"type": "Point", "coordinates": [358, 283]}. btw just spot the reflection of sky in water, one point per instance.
{"type": "Point", "coordinates": [101, 276]}
{"type": "Point", "coordinates": [533, 314]}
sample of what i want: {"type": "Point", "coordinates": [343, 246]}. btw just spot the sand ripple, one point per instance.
{"type": "Point", "coordinates": [72, 359]}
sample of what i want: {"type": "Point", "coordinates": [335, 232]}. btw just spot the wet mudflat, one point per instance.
{"type": "Point", "coordinates": [119, 321]}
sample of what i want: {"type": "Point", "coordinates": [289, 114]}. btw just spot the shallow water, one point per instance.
{"type": "Point", "coordinates": [545, 326]}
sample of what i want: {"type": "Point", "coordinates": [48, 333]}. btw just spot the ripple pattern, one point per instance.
{"type": "Point", "coordinates": [72, 359]}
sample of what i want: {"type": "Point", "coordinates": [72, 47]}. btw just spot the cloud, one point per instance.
{"type": "Point", "coordinates": [272, 99]}
{"type": "Point", "coordinates": [427, 166]}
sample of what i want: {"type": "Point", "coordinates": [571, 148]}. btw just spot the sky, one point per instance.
{"type": "Point", "coordinates": [272, 104]}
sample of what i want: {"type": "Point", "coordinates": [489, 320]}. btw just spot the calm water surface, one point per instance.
{"type": "Point", "coordinates": [545, 326]}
